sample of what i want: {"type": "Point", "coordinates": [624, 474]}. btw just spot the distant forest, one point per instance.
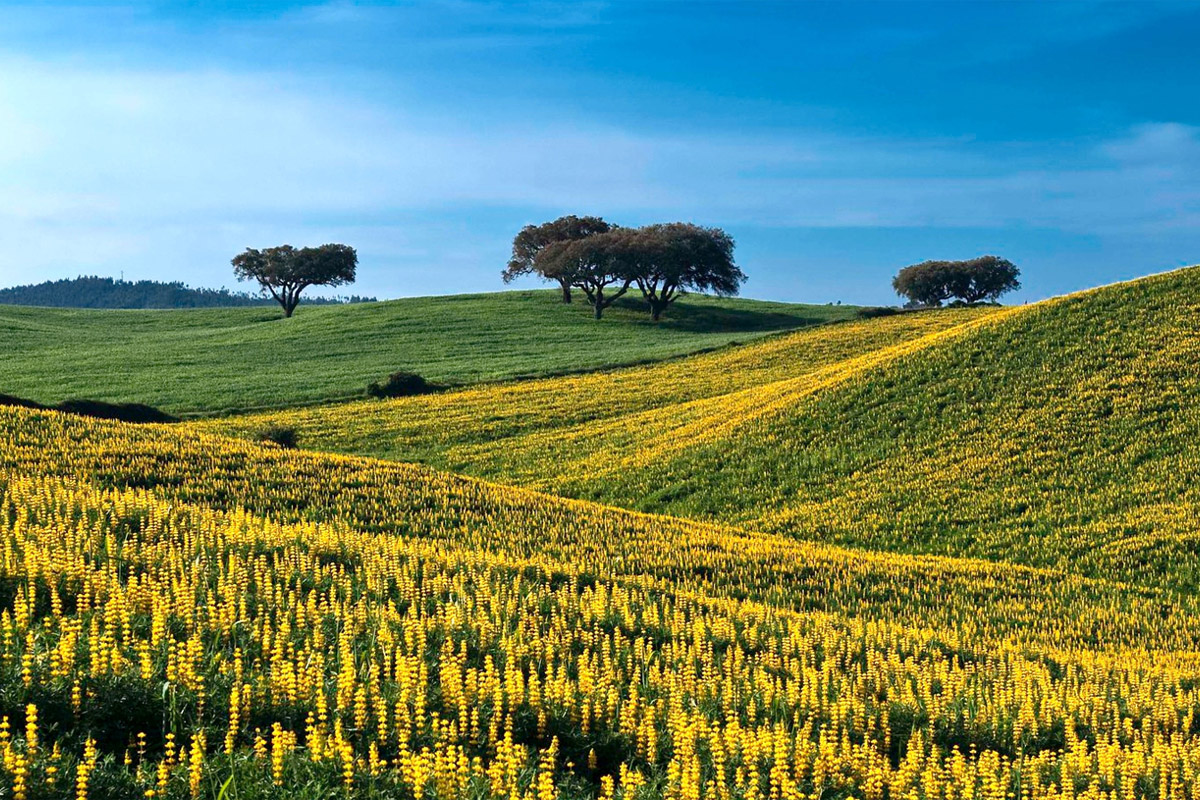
{"type": "Point", "coordinates": [95, 292]}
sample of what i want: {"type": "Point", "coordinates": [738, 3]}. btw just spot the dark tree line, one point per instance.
{"type": "Point", "coordinates": [96, 292]}
{"type": "Point", "coordinates": [604, 261]}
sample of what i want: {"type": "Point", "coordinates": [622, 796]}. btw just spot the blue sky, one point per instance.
{"type": "Point", "coordinates": [837, 142]}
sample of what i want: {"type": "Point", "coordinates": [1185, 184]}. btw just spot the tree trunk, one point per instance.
{"type": "Point", "coordinates": [656, 310]}
{"type": "Point", "coordinates": [566, 291]}
{"type": "Point", "coordinates": [598, 307]}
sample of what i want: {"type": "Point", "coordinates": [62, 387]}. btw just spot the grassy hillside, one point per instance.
{"type": "Point", "coordinates": [363, 628]}
{"type": "Point", "coordinates": [217, 360]}
{"type": "Point", "coordinates": [1016, 614]}
{"type": "Point", "coordinates": [440, 429]}
{"type": "Point", "coordinates": [1062, 434]}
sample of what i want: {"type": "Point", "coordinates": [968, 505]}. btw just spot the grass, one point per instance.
{"type": "Point", "coordinates": [1063, 434]}
{"type": "Point", "coordinates": [441, 429]}
{"type": "Point", "coordinates": [213, 361]}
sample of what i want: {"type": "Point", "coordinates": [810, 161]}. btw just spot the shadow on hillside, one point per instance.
{"type": "Point", "coordinates": [122, 412]}
{"type": "Point", "coordinates": [683, 316]}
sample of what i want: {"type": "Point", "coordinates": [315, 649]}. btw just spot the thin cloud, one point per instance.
{"type": "Point", "coordinates": [104, 169]}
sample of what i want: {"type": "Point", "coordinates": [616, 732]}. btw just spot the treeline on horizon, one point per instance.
{"type": "Point", "coordinates": [90, 291]}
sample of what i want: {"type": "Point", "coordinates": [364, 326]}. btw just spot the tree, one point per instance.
{"type": "Point", "coordinates": [926, 283]}
{"type": "Point", "coordinates": [532, 239]}
{"type": "Point", "coordinates": [592, 264]}
{"type": "Point", "coordinates": [284, 272]}
{"type": "Point", "coordinates": [986, 278]}
{"type": "Point", "coordinates": [976, 280]}
{"type": "Point", "coordinates": [670, 259]}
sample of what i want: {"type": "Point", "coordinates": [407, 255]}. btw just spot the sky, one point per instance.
{"type": "Point", "coordinates": [837, 142]}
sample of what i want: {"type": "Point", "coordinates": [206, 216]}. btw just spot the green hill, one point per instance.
{"type": "Point", "coordinates": [1063, 434]}
{"type": "Point", "coordinates": [443, 429]}
{"type": "Point", "coordinates": [220, 360]}
{"type": "Point", "coordinates": [944, 554]}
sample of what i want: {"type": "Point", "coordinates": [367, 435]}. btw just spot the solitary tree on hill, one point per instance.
{"type": "Point", "coordinates": [533, 239]}
{"type": "Point", "coordinates": [976, 280]}
{"type": "Point", "coordinates": [671, 259]}
{"type": "Point", "coordinates": [284, 272]}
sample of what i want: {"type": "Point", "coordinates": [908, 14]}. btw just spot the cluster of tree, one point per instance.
{"type": "Point", "coordinates": [604, 261]}
{"type": "Point", "coordinates": [284, 272]}
{"type": "Point", "coordinates": [931, 283]}
{"type": "Point", "coordinates": [96, 292]}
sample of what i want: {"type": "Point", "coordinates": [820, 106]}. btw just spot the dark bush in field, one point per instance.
{"type": "Point", "coordinates": [400, 384]}
{"type": "Point", "coordinates": [280, 435]}
{"type": "Point", "coordinates": [871, 312]}
{"type": "Point", "coordinates": [125, 412]}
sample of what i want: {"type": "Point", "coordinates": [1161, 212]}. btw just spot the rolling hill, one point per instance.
{"type": "Point", "coordinates": [220, 360]}
{"type": "Point", "coordinates": [434, 429]}
{"type": "Point", "coordinates": [396, 628]}
{"type": "Point", "coordinates": [943, 554]}
{"type": "Point", "coordinates": [1060, 434]}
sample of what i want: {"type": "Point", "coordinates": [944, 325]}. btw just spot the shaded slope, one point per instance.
{"type": "Point", "coordinates": [217, 360]}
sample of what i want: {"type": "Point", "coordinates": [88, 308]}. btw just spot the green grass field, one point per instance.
{"type": "Point", "coordinates": [1062, 434]}
{"type": "Point", "coordinates": [223, 360]}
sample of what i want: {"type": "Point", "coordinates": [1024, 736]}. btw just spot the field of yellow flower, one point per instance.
{"type": "Point", "coordinates": [187, 614]}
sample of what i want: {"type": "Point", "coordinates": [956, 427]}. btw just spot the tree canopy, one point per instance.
{"type": "Point", "coordinates": [592, 264]}
{"type": "Point", "coordinates": [533, 239]}
{"type": "Point", "coordinates": [604, 260]}
{"type": "Point", "coordinates": [284, 272]}
{"type": "Point", "coordinates": [972, 281]}
{"type": "Point", "coordinates": [673, 258]}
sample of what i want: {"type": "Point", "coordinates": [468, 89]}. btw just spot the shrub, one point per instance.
{"type": "Point", "coordinates": [280, 435]}
{"type": "Point", "coordinates": [871, 312]}
{"type": "Point", "coordinates": [400, 384]}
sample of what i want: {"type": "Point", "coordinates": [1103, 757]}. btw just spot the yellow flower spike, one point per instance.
{"type": "Point", "coordinates": [31, 729]}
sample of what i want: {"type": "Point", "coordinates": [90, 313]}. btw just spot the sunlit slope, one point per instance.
{"type": "Point", "coordinates": [207, 361]}
{"type": "Point", "coordinates": [332, 662]}
{"type": "Point", "coordinates": [408, 500]}
{"type": "Point", "coordinates": [441, 429]}
{"type": "Point", "coordinates": [365, 628]}
{"type": "Point", "coordinates": [1065, 433]}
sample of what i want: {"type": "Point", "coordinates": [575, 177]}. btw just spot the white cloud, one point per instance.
{"type": "Point", "coordinates": [124, 169]}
